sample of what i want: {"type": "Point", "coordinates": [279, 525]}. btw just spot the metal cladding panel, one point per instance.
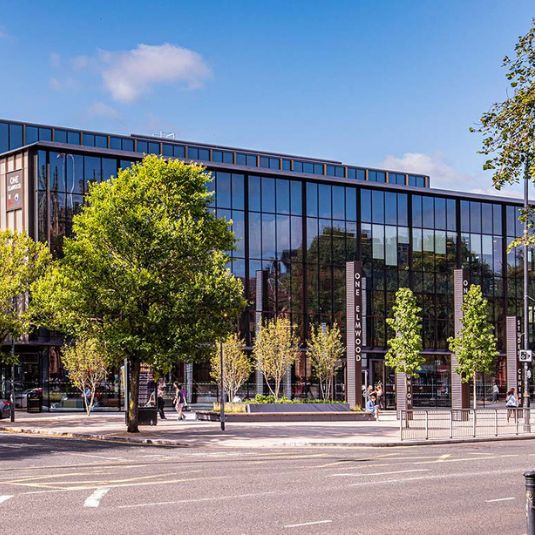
{"type": "Point", "coordinates": [459, 390]}
{"type": "Point", "coordinates": [354, 314]}
{"type": "Point", "coordinates": [511, 350]}
{"type": "Point", "coordinates": [401, 392]}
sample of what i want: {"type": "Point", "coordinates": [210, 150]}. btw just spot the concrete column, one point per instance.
{"type": "Point", "coordinates": [459, 391]}
{"type": "Point", "coordinates": [354, 329]}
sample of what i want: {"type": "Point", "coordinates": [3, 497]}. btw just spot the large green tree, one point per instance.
{"type": "Point", "coordinates": [22, 262]}
{"type": "Point", "coordinates": [508, 128]}
{"type": "Point", "coordinates": [475, 346]}
{"type": "Point", "coordinates": [404, 353]}
{"type": "Point", "coordinates": [146, 267]}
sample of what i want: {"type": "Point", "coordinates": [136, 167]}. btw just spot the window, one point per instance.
{"type": "Point", "coordinates": [179, 151]}
{"type": "Point", "coordinates": [318, 169]}
{"type": "Point", "coordinates": [142, 146]}
{"type": "Point", "coordinates": [254, 193]}
{"type": "Point", "coordinates": [109, 168]}
{"type": "Point", "coordinates": [89, 140]}
{"type": "Point", "coordinates": [391, 209]}
{"type": "Point", "coordinates": [228, 157]}
{"type": "Point", "coordinates": [324, 198]}
{"type": "Point", "coordinates": [378, 206]}
{"type": "Point", "coordinates": [312, 199]}
{"type": "Point", "coordinates": [295, 197]}
{"type": "Point", "coordinates": [351, 204]}
{"type": "Point", "coordinates": [223, 190]}
{"type": "Point", "coordinates": [440, 213]}
{"type": "Point", "coordinates": [238, 191]}
{"type": "Point", "coordinates": [73, 138]}
{"type": "Point", "coordinates": [396, 178]}
{"type": "Point", "coordinates": [15, 136]}
{"type": "Point", "coordinates": [416, 181]}
{"type": "Point", "coordinates": [286, 165]}
{"type": "Point", "coordinates": [308, 168]}
{"type": "Point", "coordinates": [283, 196]}
{"type": "Point", "coordinates": [154, 148]}
{"type": "Point", "coordinates": [268, 194]}
{"type": "Point", "coordinates": [428, 216]}
{"type": "Point", "coordinates": [376, 176]}
{"type": "Point", "coordinates": [298, 166]}
{"type": "Point", "coordinates": [101, 141]}
{"type": "Point", "coordinates": [198, 153]}
{"type": "Point", "coordinates": [128, 144]}
{"type": "Point", "coordinates": [167, 149]}
{"type": "Point", "coordinates": [338, 199]}
{"type": "Point", "coordinates": [115, 143]}
{"type": "Point", "coordinates": [356, 174]}
{"type": "Point", "coordinates": [248, 160]}
{"type": "Point", "coordinates": [366, 205]}
{"type": "Point", "coordinates": [45, 134]}
{"type": "Point", "coordinates": [60, 136]}
{"type": "Point", "coordinates": [4, 137]}
{"type": "Point", "coordinates": [31, 135]}
{"type": "Point", "coordinates": [217, 156]}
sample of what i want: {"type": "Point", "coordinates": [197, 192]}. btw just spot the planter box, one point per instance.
{"type": "Point", "coordinates": [147, 415]}
{"type": "Point", "coordinates": [297, 407]}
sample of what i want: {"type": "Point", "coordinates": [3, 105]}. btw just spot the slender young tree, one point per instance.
{"type": "Point", "coordinates": [508, 128]}
{"type": "Point", "coordinates": [275, 350]}
{"type": "Point", "coordinates": [146, 266]}
{"type": "Point", "coordinates": [237, 366]}
{"type": "Point", "coordinates": [405, 348]}
{"type": "Point", "coordinates": [86, 365]}
{"type": "Point", "coordinates": [475, 347]}
{"type": "Point", "coordinates": [326, 350]}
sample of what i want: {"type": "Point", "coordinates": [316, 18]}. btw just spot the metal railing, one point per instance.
{"type": "Point", "coordinates": [418, 424]}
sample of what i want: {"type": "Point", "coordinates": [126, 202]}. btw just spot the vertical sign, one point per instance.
{"type": "Point", "coordinates": [512, 343]}
{"type": "Point", "coordinates": [14, 190]}
{"type": "Point", "coordinates": [459, 391]}
{"type": "Point", "coordinates": [354, 328]}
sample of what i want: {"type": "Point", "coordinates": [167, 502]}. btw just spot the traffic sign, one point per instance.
{"type": "Point", "coordinates": [525, 355]}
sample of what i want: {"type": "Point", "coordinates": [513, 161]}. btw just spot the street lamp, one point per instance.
{"type": "Point", "coordinates": [527, 424]}
{"type": "Point", "coordinates": [222, 385]}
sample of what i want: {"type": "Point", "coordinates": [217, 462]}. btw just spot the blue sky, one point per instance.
{"type": "Point", "coordinates": [369, 82]}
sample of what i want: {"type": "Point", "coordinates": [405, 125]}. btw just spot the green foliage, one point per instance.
{"type": "Point", "coordinates": [475, 347]}
{"type": "Point", "coordinates": [146, 267]}
{"type": "Point", "coordinates": [22, 262]}
{"type": "Point", "coordinates": [275, 350]}
{"type": "Point", "coordinates": [236, 364]}
{"type": "Point", "coordinates": [508, 128]}
{"type": "Point", "coordinates": [259, 398]}
{"type": "Point", "coordinates": [326, 350]}
{"type": "Point", "coordinates": [404, 353]}
{"type": "Point", "coordinates": [86, 365]}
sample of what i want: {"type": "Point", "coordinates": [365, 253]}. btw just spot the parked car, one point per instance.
{"type": "Point", "coordinates": [5, 408]}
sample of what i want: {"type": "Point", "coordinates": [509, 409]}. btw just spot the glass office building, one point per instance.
{"type": "Point", "coordinates": [297, 221]}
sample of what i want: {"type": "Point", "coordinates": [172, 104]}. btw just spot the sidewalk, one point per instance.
{"type": "Point", "coordinates": [190, 433]}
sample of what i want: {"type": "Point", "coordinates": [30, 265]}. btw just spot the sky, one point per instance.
{"type": "Point", "coordinates": [379, 83]}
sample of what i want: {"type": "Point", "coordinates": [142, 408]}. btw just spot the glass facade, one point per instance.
{"type": "Point", "coordinates": [295, 234]}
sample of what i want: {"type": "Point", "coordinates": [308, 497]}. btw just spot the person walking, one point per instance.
{"type": "Point", "coordinates": [160, 402]}
{"type": "Point", "coordinates": [511, 402]}
{"type": "Point", "coordinates": [495, 392]}
{"type": "Point", "coordinates": [179, 400]}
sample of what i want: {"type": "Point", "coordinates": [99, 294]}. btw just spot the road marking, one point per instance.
{"type": "Point", "coordinates": [193, 500]}
{"type": "Point", "coordinates": [380, 473]}
{"type": "Point", "coordinates": [94, 499]}
{"type": "Point", "coordinates": [314, 523]}
{"type": "Point", "coordinates": [442, 458]}
{"type": "Point", "coordinates": [501, 499]}
{"type": "Point", "coordinates": [467, 459]}
{"type": "Point", "coordinates": [98, 456]}
{"type": "Point", "coordinates": [5, 498]}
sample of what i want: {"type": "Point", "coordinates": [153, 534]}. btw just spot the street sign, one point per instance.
{"type": "Point", "coordinates": [525, 355]}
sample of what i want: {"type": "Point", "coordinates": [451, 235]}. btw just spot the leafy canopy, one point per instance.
{"type": "Point", "coordinates": [405, 349]}
{"type": "Point", "coordinates": [146, 267]}
{"type": "Point", "coordinates": [22, 262]}
{"type": "Point", "coordinates": [237, 366]}
{"type": "Point", "coordinates": [475, 347]}
{"type": "Point", "coordinates": [326, 350]}
{"type": "Point", "coordinates": [275, 350]}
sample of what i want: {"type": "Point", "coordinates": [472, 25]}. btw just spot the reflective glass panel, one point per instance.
{"type": "Point", "coordinates": [312, 199]}
{"type": "Point", "coordinates": [223, 193]}
{"type": "Point", "coordinates": [45, 134]}
{"type": "Point", "coordinates": [238, 193]}
{"type": "Point", "coordinates": [254, 193]}
{"type": "Point", "coordinates": [268, 194]}
{"type": "Point", "coordinates": [324, 198]}
{"type": "Point", "coordinates": [31, 135]}
{"type": "Point", "coordinates": [296, 196]}
{"type": "Point", "coordinates": [15, 136]}
{"type": "Point", "coordinates": [283, 196]}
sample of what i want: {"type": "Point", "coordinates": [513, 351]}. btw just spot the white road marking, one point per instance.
{"type": "Point", "coordinates": [380, 473]}
{"type": "Point", "coordinates": [471, 459]}
{"type": "Point", "coordinates": [5, 498]}
{"type": "Point", "coordinates": [94, 499]}
{"type": "Point", "coordinates": [314, 523]}
{"type": "Point", "coordinates": [98, 456]}
{"type": "Point", "coordinates": [500, 499]}
{"type": "Point", "coordinates": [193, 500]}
{"type": "Point", "coordinates": [442, 458]}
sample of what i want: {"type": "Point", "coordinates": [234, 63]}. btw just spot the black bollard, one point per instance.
{"type": "Point", "coordinates": [530, 501]}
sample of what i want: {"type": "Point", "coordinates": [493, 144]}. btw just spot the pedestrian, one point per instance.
{"type": "Point", "coordinates": [511, 402]}
{"type": "Point", "coordinates": [371, 405]}
{"type": "Point", "coordinates": [179, 400]}
{"type": "Point", "coordinates": [379, 394]}
{"type": "Point", "coordinates": [160, 400]}
{"type": "Point", "coordinates": [495, 392]}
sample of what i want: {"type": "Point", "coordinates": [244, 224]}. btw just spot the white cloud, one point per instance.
{"type": "Point", "coordinates": [63, 84]}
{"type": "Point", "coordinates": [129, 75]}
{"type": "Point", "coordinates": [102, 110]}
{"type": "Point", "coordinates": [442, 175]}
{"type": "Point", "coordinates": [80, 62]}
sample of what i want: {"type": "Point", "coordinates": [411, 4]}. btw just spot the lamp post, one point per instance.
{"type": "Point", "coordinates": [222, 385]}
{"type": "Point", "coordinates": [525, 404]}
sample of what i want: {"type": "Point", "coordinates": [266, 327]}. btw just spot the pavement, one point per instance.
{"type": "Point", "coordinates": [62, 486]}
{"type": "Point", "coordinates": [193, 433]}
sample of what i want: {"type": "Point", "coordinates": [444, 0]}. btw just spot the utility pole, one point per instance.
{"type": "Point", "coordinates": [525, 404]}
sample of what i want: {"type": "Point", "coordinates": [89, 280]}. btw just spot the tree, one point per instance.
{"type": "Point", "coordinates": [86, 364]}
{"type": "Point", "coordinates": [475, 347]}
{"type": "Point", "coordinates": [236, 365]}
{"type": "Point", "coordinates": [508, 128]}
{"type": "Point", "coordinates": [23, 261]}
{"type": "Point", "coordinates": [275, 350]}
{"type": "Point", "coordinates": [145, 268]}
{"type": "Point", "coordinates": [405, 349]}
{"type": "Point", "coordinates": [326, 351]}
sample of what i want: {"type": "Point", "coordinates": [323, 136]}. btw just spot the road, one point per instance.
{"type": "Point", "coordinates": [59, 486]}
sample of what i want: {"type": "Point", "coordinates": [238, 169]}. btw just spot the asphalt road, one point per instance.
{"type": "Point", "coordinates": [58, 486]}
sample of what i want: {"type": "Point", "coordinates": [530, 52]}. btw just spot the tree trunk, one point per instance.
{"type": "Point", "coordinates": [134, 392]}
{"type": "Point", "coordinates": [475, 391]}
